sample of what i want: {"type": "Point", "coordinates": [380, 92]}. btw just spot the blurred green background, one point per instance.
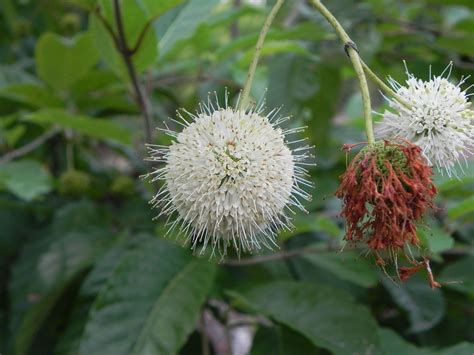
{"type": "Point", "coordinates": [85, 270]}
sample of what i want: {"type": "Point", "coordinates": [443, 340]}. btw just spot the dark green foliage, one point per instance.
{"type": "Point", "coordinates": [320, 313]}
{"type": "Point", "coordinates": [85, 270]}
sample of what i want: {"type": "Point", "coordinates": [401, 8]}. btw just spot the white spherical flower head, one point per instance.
{"type": "Point", "coordinates": [437, 118]}
{"type": "Point", "coordinates": [229, 176]}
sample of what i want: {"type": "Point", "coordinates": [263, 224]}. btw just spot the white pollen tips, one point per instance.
{"type": "Point", "coordinates": [438, 119]}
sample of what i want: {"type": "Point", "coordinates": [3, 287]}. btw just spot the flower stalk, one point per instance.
{"type": "Point", "coordinates": [127, 54]}
{"type": "Point", "coordinates": [353, 54]}
{"type": "Point", "coordinates": [244, 100]}
{"type": "Point", "coordinates": [384, 87]}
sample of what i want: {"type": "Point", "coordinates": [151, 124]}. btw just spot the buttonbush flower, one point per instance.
{"type": "Point", "coordinates": [437, 118]}
{"type": "Point", "coordinates": [386, 189]}
{"type": "Point", "coordinates": [229, 177]}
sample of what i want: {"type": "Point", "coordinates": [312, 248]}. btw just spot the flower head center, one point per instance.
{"type": "Point", "coordinates": [233, 166]}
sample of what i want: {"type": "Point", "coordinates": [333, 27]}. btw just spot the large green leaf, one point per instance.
{"type": "Point", "coordinates": [155, 8]}
{"type": "Point", "coordinates": [425, 306]}
{"type": "Point", "coordinates": [27, 179]}
{"type": "Point", "coordinates": [60, 61]}
{"type": "Point", "coordinates": [84, 4]}
{"type": "Point", "coordinates": [191, 16]}
{"type": "Point", "coordinates": [312, 223]}
{"type": "Point", "coordinates": [289, 82]}
{"type": "Point", "coordinates": [90, 126]}
{"type": "Point", "coordinates": [272, 48]}
{"type": "Point", "coordinates": [31, 94]}
{"type": "Point", "coordinates": [392, 343]}
{"type": "Point", "coordinates": [462, 208]}
{"type": "Point", "coordinates": [322, 105]}
{"type": "Point", "coordinates": [457, 43]}
{"type": "Point", "coordinates": [134, 19]}
{"type": "Point", "coordinates": [103, 268]}
{"type": "Point", "coordinates": [106, 266]}
{"type": "Point", "coordinates": [327, 317]}
{"type": "Point", "coordinates": [106, 46]}
{"type": "Point", "coordinates": [150, 303]}
{"type": "Point", "coordinates": [280, 340]}
{"type": "Point", "coordinates": [460, 275]}
{"type": "Point", "coordinates": [306, 31]}
{"type": "Point", "coordinates": [346, 265]}
{"type": "Point", "coordinates": [436, 239]}
{"type": "Point", "coordinates": [467, 3]}
{"type": "Point", "coordinates": [298, 84]}
{"type": "Point", "coordinates": [463, 348]}
{"type": "Point", "coordinates": [47, 266]}
{"type": "Point", "coordinates": [69, 339]}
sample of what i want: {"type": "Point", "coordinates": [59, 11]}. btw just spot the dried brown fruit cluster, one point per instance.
{"type": "Point", "coordinates": [386, 189]}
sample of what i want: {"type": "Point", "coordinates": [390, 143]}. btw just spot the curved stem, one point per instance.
{"type": "Point", "coordinates": [69, 155]}
{"type": "Point", "coordinates": [353, 54]}
{"type": "Point", "coordinates": [258, 49]}
{"type": "Point", "coordinates": [127, 54]}
{"type": "Point", "coordinates": [35, 143]}
{"type": "Point", "coordinates": [384, 87]}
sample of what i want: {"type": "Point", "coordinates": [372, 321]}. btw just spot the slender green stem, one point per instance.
{"type": "Point", "coordinates": [353, 54]}
{"type": "Point", "coordinates": [29, 147]}
{"type": "Point", "coordinates": [69, 155]}
{"type": "Point", "coordinates": [384, 87]}
{"type": "Point", "coordinates": [127, 54]}
{"type": "Point", "coordinates": [258, 49]}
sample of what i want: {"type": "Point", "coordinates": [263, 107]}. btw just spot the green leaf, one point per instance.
{"type": "Point", "coordinates": [281, 340]}
{"type": "Point", "coordinates": [322, 104]}
{"type": "Point", "coordinates": [61, 62]}
{"type": "Point", "coordinates": [327, 317]}
{"type": "Point", "coordinates": [456, 187]}
{"type": "Point", "coordinates": [97, 81]}
{"type": "Point", "coordinates": [105, 267]}
{"type": "Point", "coordinates": [150, 302]}
{"type": "Point", "coordinates": [106, 47]}
{"type": "Point", "coordinates": [297, 84]}
{"type": "Point", "coordinates": [176, 310]}
{"type": "Point", "coordinates": [155, 8]}
{"type": "Point", "coordinates": [425, 306]}
{"type": "Point", "coordinates": [457, 44]}
{"type": "Point", "coordinates": [306, 223]}
{"type": "Point", "coordinates": [289, 82]}
{"type": "Point", "coordinates": [134, 19]}
{"type": "Point", "coordinates": [69, 339]}
{"type": "Point", "coordinates": [34, 318]}
{"type": "Point", "coordinates": [90, 126]}
{"type": "Point", "coordinates": [462, 208]}
{"type": "Point", "coordinates": [191, 16]}
{"type": "Point", "coordinates": [347, 265]}
{"type": "Point", "coordinates": [463, 348]}
{"type": "Point", "coordinates": [96, 279]}
{"type": "Point", "coordinates": [274, 47]}
{"type": "Point", "coordinates": [31, 94]}
{"type": "Point", "coordinates": [14, 134]}
{"type": "Point", "coordinates": [460, 275]}
{"type": "Point", "coordinates": [467, 3]}
{"type": "Point", "coordinates": [392, 343]}
{"type": "Point", "coordinates": [45, 269]}
{"type": "Point", "coordinates": [26, 179]}
{"type": "Point", "coordinates": [302, 31]}
{"type": "Point", "coordinates": [84, 4]}
{"type": "Point", "coordinates": [436, 239]}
